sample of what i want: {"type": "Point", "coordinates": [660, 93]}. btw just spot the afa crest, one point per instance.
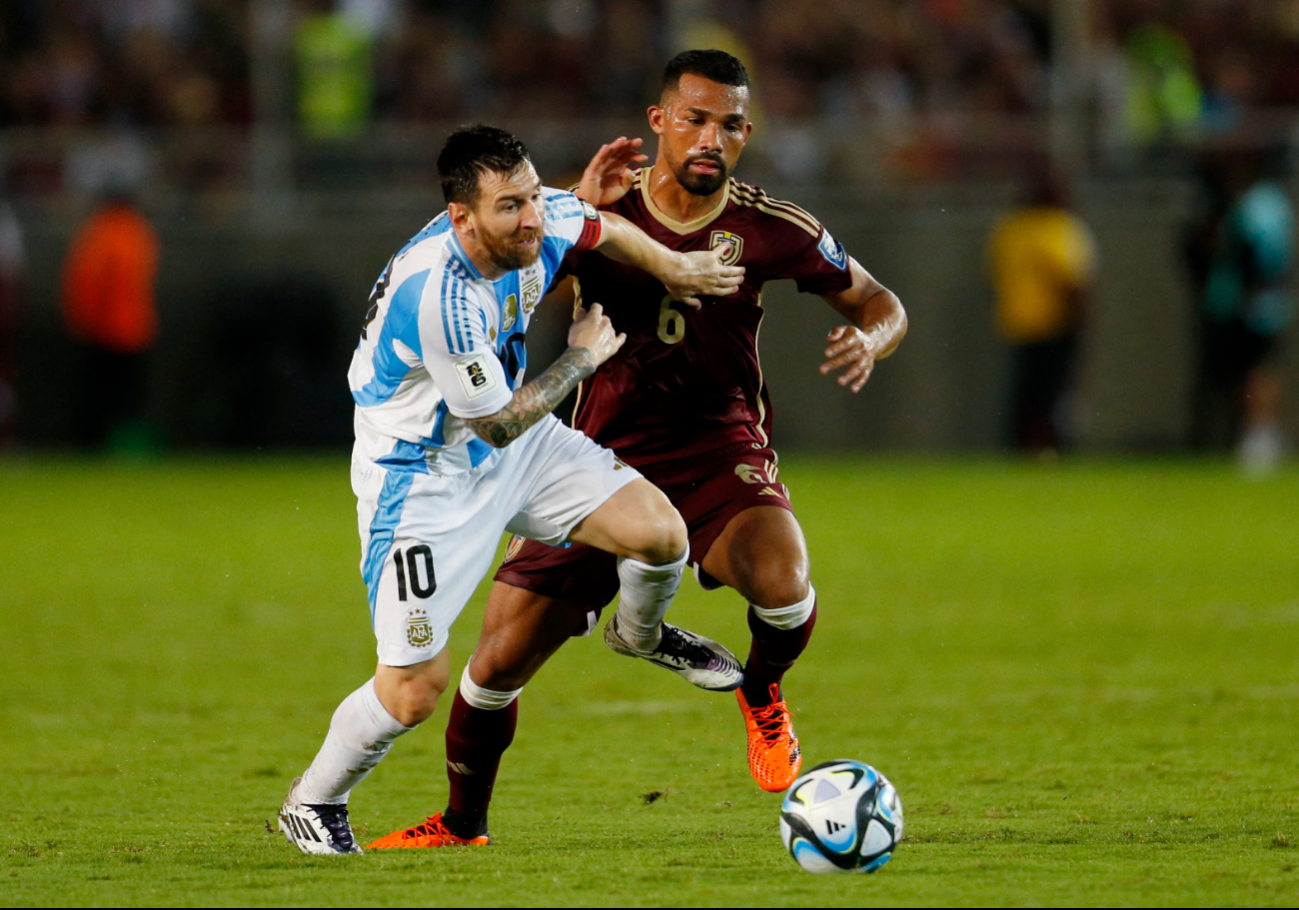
{"type": "Point", "coordinates": [531, 293]}
{"type": "Point", "coordinates": [418, 631]}
{"type": "Point", "coordinates": [734, 241]}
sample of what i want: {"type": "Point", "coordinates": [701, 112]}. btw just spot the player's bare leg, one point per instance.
{"type": "Point", "coordinates": [522, 629]}
{"type": "Point", "coordinates": [762, 554]}
{"type": "Point", "coordinates": [640, 526]}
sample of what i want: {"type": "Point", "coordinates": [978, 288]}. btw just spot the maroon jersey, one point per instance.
{"type": "Point", "coordinates": [688, 381]}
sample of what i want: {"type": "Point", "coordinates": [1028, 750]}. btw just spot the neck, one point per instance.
{"type": "Point", "coordinates": [477, 254]}
{"type": "Point", "coordinates": [674, 200]}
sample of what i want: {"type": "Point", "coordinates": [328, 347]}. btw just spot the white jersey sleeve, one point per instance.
{"type": "Point", "coordinates": [571, 224]}
{"type": "Point", "coordinates": [459, 356]}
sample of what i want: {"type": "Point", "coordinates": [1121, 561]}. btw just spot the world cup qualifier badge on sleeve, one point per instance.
{"type": "Point", "coordinates": [832, 250]}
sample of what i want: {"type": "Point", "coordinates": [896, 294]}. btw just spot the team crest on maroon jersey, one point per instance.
{"type": "Point", "coordinates": [513, 547]}
{"type": "Point", "coordinates": [734, 241]}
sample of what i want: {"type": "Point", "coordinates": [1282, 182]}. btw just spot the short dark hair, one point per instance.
{"type": "Point", "coordinates": [474, 150]}
{"type": "Point", "coordinates": [713, 64]}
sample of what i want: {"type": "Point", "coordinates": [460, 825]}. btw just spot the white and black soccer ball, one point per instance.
{"type": "Point", "coordinates": [842, 816]}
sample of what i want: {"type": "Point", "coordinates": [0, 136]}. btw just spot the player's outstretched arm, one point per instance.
{"type": "Point", "coordinates": [687, 276]}
{"type": "Point", "coordinates": [591, 341]}
{"type": "Point", "coordinates": [878, 326]}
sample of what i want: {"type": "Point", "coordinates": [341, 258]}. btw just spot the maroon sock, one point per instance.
{"type": "Point", "coordinates": [772, 653]}
{"type": "Point", "coordinates": [476, 740]}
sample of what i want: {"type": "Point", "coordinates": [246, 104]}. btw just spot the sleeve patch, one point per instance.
{"type": "Point", "coordinates": [475, 378]}
{"type": "Point", "coordinates": [589, 211]}
{"type": "Point", "coordinates": [832, 250]}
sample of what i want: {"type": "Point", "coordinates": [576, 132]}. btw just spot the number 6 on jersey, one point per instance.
{"type": "Point", "coordinates": [672, 323]}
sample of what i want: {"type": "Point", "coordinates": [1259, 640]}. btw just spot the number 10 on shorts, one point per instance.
{"type": "Point", "coordinates": [409, 566]}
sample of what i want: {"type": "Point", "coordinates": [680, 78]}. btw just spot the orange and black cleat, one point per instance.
{"type": "Point", "coordinates": [774, 757]}
{"type": "Point", "coordinates": [432, 833]}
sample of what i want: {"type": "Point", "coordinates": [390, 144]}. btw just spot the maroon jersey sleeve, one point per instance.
{"type": "Point", "coordinates": [802, 249]}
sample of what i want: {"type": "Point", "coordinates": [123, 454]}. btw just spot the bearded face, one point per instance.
{"type": "Point", "coordinates": [513, 251]}
{"type": "Point", "coordinates": [700, 175]}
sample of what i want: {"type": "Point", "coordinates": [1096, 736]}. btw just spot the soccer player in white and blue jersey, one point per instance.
{"type": "Point", "coordinates": [452, 449]}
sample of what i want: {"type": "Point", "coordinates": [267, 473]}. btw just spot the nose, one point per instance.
{"type": "Point", "coordinates": [709, 138]}
{"type": "Point", "coordinates": [531, 216]}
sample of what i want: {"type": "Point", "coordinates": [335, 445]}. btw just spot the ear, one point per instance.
{"type": "Point", "coordinates": [460, 217]}
{"type": "Point", "coordinates": [656, 114]}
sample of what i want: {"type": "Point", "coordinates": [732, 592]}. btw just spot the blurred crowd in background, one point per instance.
{"type": "Point", "coordinates": [252, 118]}
{"type": "Point", "coordinates": [186, 62]}
{"type": "Point", "coordinates": [933, 74]}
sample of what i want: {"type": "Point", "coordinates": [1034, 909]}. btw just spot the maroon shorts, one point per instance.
{"type": "Point", "coordinates": [708, 491]}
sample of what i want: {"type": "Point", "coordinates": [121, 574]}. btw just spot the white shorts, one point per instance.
{"type": "Point", "coordinates": [428, 539]}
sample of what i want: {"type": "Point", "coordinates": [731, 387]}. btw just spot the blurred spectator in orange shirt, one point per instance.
{"type": "Point", "coordinates": [108, 302]}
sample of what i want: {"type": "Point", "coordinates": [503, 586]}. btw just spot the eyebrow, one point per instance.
{"type": "Point", "coordinates": [704, 112]}
{"type": "Point", "coordinates": [535, 188]}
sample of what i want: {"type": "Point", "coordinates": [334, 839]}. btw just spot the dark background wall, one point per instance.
{"type": "Point", "coordinates": [259, 317]}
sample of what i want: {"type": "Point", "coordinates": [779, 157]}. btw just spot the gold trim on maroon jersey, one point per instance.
{"type": "Point", "coordinates": [678, 227]}
{"type": "Point", "coordinates": [762, 382]}
{"type": "Point", "coordinates": [744, 194]}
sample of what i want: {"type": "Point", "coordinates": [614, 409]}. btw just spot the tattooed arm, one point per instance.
{"type": "Point", "coordinates": [535, 400]}
{"type": "Point", "coordinates": [591, 341]}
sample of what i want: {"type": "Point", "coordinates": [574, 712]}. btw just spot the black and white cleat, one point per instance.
{"type": "Point", "coordinates": [698, 660]}
{"type": "Point", "coordinates": [320, 829]}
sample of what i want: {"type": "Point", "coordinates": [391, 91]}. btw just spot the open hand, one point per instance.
{"type": "Point", "coordinates": [608, 177]}
{"type": "Point", "coordinates": [850, 347]}
{"type": "Point", "coordinates": [701, 274]}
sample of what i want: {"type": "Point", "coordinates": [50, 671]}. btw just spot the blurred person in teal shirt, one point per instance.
{"type": "Point", "coordinates": [1241, 256]}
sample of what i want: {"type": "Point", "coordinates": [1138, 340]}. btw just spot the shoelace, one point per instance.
{"type": "Point", "coordinates": [674, 642]}
{"type": "Point", "coordinates": [771, 719]}
{"type": "Point", "coordinates": [335, 819]}
{"type": "Point", "coordinates": [431, 827]}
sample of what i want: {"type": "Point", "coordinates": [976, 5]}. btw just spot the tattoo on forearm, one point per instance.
{"type": "Point", "coordinates": [535, 400]}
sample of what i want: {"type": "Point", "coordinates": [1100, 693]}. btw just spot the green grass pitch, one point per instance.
{"type": "Point", "coordinates": [1083, 678]}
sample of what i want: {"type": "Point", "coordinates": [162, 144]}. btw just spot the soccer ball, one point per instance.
{"type": "Point", "coordinates": [842, 816]}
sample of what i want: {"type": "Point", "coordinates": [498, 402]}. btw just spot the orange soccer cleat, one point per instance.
{"type": "Point", "coordinates": [774, 757]}
{"type": "Point", "coordinates": [431, 833]}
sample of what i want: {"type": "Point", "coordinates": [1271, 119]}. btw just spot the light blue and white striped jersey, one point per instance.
{"type": "Point", "coordinates": [442, 344]}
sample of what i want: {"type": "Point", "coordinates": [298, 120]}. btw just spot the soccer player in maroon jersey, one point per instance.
{"type": "Point", "coordinates": [685, 403]}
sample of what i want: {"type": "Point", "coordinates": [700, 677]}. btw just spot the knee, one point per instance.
{"type": "Point", "coordinates": [496, 675]}
{"type": "Point", "coordinates": [774, 583]}
{"type": "Point", "coordinates": [416, 701]}
{"type": "Point", "coordinates": [662, 536]}
{"type": "Point", "coordinates": [411, 701]}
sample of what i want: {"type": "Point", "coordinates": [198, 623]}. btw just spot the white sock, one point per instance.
{"type": "Point", "coordinates": [647, 591]}
{"type": "Point", "coordinates": [360, 735]}
{"type": "Point", "coordinates": [790, 617]}
{"type": "Point", "coordinates": [484, 699]}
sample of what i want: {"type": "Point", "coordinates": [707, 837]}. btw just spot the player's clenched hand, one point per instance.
{"type": "Point", "coordinates": [851, 347]}
{"type": "Point", "coordinates": [608, 177]}
{"type": "Point", "coordinates": [593, 331]}
{"type": "Point", "coordinates": [701, 274]}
